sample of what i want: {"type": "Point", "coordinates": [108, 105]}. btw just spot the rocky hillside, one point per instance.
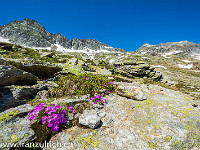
{"type": "Point", "coordinates": [30, 33]}
{"type": "Point", "coordinates": [108, 101]}
{"type": "Point", "coordinates": [184, 47]}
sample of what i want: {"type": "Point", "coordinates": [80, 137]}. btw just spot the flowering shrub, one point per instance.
{"type": "Point", "coordinates": [53, 115]}
{"type": "Point", "coordinates": [98, 99]}
{"type": "Point", "coordinates": [77, 85]}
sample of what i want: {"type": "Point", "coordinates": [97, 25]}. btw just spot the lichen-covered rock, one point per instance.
{"type": "Point", "coordinates": [131, 91]}
{"type": "Point", "coordinates": [136, 69]}
{"type": "Point", "coordinates": [97, 70]}
{"type": "Point", "coordinates": [13, 76]}
{"type": "Point", "coordinates": [89, 118]}
{"type": "Point", "coordinates": [15, 128]}
{"type": "Point", "coordinates": [73, 69]}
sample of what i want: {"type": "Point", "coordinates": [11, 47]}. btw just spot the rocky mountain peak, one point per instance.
{"type": "Point", "coordinates": [30, 33]}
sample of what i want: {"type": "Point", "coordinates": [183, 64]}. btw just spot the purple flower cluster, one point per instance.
{"type": "Point", "coordinates": [54, 120]}
{"type": "Point", "coordinates": [33, 115]}
{"type": "Point", "coordinates": [71, 108]}
{"type": "Point", "coordinates": [112, 82]}
{"type": "Point", "coordinates": [98, 99]}
{"type": "Point", "coordinates": [50, 115]}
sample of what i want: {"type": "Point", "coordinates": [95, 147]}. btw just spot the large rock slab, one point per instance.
{"type": "Point", "coordinates": [43, 71]}
{"type": "Point", "coordinates": [132, 91]}
{"type": "Point", "coordinates": [136, 69]}
{"type": "Point", "coordinates": [13, 76]}
{"type": "Point", "coordinates": [15, 127]}
{"type": "Point", "coordinates": [12, 96]}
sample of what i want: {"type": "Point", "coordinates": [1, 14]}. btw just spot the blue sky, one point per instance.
{"type": "Point", "coordinates": [123, 24]}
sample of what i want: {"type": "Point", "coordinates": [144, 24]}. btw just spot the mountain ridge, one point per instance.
{"type": "Point", "coordinates": [184, 46]}
{"type": "Point", "coordinates": [30, 33]}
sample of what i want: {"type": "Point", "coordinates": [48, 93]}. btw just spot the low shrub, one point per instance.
{"type": "Point", "coordinates": [77, 85]}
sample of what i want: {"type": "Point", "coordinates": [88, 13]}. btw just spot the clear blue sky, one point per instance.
{"type": "Point", "coordinates": [123, 24]}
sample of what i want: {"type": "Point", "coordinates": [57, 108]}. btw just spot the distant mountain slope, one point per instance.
{"type": "Point", "coordinates": [30, 33]}
{"type": "Point", "coordinates": [184, 46]}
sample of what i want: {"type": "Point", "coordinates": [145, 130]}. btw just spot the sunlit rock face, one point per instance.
{"type": "Point", "coordinates": [30, 33]}
{"type": "Point", "coordinates": [185, 47]}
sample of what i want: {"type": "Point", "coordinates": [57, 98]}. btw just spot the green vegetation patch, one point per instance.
{"type": "Point", "coordinates": [70, 85]}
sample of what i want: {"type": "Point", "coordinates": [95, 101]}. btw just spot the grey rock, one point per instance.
{"type": "Point", "coordinates": [77, 115]}
{"type": "Point", "coordinates": [42, 95]}
{"type": "Point", "coordinates": [52, 84]}
{"type": "Point", "coordinates": [16, 129]}
{"type": "Point", "coordinates": [140, 96]}
{"type": "Point", "coordinates": [103, 114]}
{"type": "Point", "coordinates": [45, 85]}
{"type": "Point", "coordinates": [96, 106]}
{"type": "Point", "coordinates": [41, 86]}
{"type": "Point", "coordinates": [89, 118]}
{"type": "Point", "coordinates": [86, 97]}
{"type": "Point", "coordinates": [43, 71]}
{"type": "Point", "coordinates": [13, 96]}
{"type": "Point", "coordinates": [136, 69]}
{"type": "Point", "coordinates": [13, 76]}
{"type": "Point", "coordinates": [69, 101]}
{"type": "Point", "coordinates": [132, 91]}
{"type": "Point", "coordinates": [23, 92]}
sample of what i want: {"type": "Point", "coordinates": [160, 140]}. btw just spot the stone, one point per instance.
{"type": "Point", "coordinates": [13, 76]}
{"type": "Point", "coordinates": [69, 101]}
{"type": "Point", "coordinates": [42, 95]}
{"type": "Point", "coordinates": [23, 92]}
{"type": "Point", "coordinates": [97, 70]}
{"type": "Point", "coordinates": [42, 71]}
{"type": "Point", "coordinates": [96, 106]}
{"type": "Point", "coordinates": [85, 97]}
{"type": "Point", "coordinates": [52, 84]}
{"type": "Point", "coordinates": [16, 128]}
{"type": "Point", "coordinates": [101, 115]}
{"type": "Point", "coordinates": [15, 95]}
{"type": "Point", "coordinates": [131, 91]}
{"type": "Point", "coordinates": [136, 69]}
{"type": "Point", "coordinates": [89, 118]}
